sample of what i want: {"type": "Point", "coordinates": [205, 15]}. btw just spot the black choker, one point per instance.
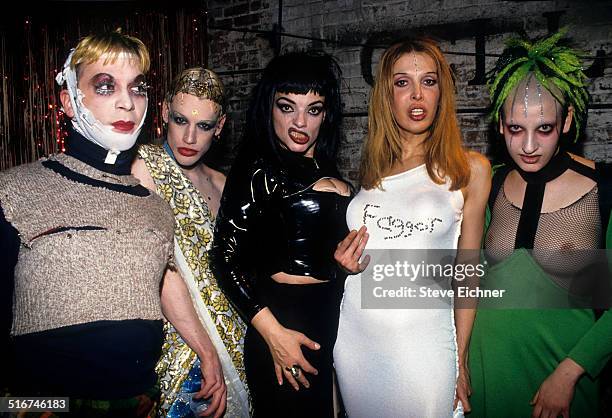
{"type": "Point", "coordinates": [534, 196]}
{"type": "Point", "coordinates": [82, 149]}
{"type": "Point", "coordinates": [555, 167]}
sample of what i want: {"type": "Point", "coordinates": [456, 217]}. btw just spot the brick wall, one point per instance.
{"type": "Point", "coordinates": [462, 26]}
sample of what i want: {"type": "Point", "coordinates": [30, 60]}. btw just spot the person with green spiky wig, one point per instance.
{"type": "Point", "coordinates": [540, 350]}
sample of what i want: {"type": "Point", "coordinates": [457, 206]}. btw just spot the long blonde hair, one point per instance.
{"type": "Point", "coordinates": [444, 152]}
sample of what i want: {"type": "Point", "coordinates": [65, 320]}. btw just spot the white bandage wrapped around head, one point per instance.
{"type": "Point", "coordinates": [85, 123]}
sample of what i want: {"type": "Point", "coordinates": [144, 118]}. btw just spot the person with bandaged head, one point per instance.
{"type": "Point", "coordinates": [86, 249]}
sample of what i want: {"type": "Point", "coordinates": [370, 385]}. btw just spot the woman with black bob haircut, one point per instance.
{"type": "Point", "coordinates": [282, 214]}
{"type": "Point", "coordinates": [298, 73]}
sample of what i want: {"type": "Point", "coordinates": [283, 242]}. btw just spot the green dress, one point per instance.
{"type": "Point", "coordinates": [512, 351]}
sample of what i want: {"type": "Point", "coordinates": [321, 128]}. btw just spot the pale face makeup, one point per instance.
{"type": "Point", "coordinates": [532, 126]}
{"type": "Point", "coordinates": [297, 119]}
{"type": "Point", "coordinates": [192, 126]}
{"type": "Point", "coordinates": [115, 93]}
{"type": "Point", "coordinates": [416, 93]}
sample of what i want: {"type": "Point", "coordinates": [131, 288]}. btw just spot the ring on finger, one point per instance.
{"type": "Point", "coordinates": [294, 370]}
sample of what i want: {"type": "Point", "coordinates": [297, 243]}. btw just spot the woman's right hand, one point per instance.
{"type": "Point", "coordinates": [286, 348]}
{"type": "Point", "coordinates": [350, 249]}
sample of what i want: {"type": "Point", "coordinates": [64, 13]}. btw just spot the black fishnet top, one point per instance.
{"type": "Point", "coordinates": [560, 237]}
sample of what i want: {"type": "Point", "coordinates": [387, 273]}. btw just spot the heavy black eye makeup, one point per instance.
{"type": "Point", "coordinates": [284, 105]}
{"type": "Point", "coordinates": [547, 125]}
{"type": "Point", "coordinates": [207, 125]}
{"type": "Point", "coordinates": [546, 128]}
{"type": "Point", "coordinates": [514, 128]}
{"type": "Point", "coordinates": [179, 119]}
{"type": "Point", "coordinates": [315, 110]}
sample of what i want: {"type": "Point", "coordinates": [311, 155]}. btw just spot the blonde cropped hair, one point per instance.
{"type": "Point", "coordinates": [199, 82]}
{"type": "Point", "coordinates": [110, 45]}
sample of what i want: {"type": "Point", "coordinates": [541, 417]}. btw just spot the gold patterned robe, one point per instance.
{"type": "Point", "coordinates": [193, 237]}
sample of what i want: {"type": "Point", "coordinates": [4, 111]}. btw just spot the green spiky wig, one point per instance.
{"type": "Point", "coordinates": [558, 68]}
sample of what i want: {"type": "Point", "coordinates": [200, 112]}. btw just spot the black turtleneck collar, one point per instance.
{"type": "Point", "coordinates": [82, 149]}
{"type": "Point", "coordinates": [296, 159]}
{"type": "Point", "coordinates": [305, 168]}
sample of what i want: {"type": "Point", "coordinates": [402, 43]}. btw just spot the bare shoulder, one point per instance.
{"type": "Point", "coordinates": [582, 160]}
{"type": "Point", "coordinates": [480, 168]}
{"type": "Point", "coordinates": [141, 172]}
{"type": "Point", "coordinates": [479, 186]}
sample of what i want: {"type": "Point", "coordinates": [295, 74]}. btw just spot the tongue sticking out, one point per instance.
{"type": "Point", "coordinates": [298, 137]}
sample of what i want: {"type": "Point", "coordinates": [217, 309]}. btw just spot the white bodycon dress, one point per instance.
{"type": "Point", "coordinates": [399, 362]}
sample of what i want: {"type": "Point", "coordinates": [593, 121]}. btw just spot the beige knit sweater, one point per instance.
{"type": "Point", "coordinates": [73, 276]}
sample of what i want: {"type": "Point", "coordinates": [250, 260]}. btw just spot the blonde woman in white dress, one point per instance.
{"type": "Point", "coordinates": [421, 190]}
